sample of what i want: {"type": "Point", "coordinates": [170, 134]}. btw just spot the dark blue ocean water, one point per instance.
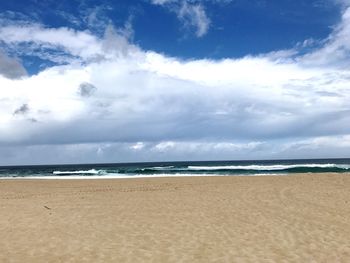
{"type": "Point", "coordinates": [204, 168]}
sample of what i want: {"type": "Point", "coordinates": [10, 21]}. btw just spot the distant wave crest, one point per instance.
{"type": "Point", "coordinates": [227, 169]}
{"type": "Point", "coordinates": [80, 172]}
{"type": "Point", "coordinates": [275, 167]}
{"type": "Point", "coordinates": [245, 168]}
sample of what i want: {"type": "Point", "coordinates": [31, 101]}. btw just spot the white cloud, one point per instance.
{"type": "Point", "coordinates": [64, 45]}
{"type": "Point", "coordinates": [205, 148]}
{"type": "Point", "coordinates": [80, 44]}
{"type": "Point", "coordinates": [317, 147]}
{"type": "Point", "coordinates": [164, 146]}
{"type": "Point", "coordinates": [336, 50]}
{"type": "Point", "coordinates": [194, 15]}
{"type": "Point", "coordinates": [164, 108]}
{"type": "Point", "coordinates": [137, 146]}
{"type": "Point", "coordinates": [162, 2]}
{"type": "Point", "coordinates": [325, 142]}
{"type": "Point", "coordinates": [191, 13]}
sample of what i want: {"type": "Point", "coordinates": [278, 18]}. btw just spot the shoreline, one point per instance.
{"type": "Point", "coordinates": [299, 218]}
{"type": "Point", "coordinates": [112, 177]}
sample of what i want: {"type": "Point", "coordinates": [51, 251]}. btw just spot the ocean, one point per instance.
{"type": "Point", "coordinates": [165, 169]}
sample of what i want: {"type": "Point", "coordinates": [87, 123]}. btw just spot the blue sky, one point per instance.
{"type": "Point", "coordinates": [157, 80]}
{"type": "Point", "coordinates": [234, 27]}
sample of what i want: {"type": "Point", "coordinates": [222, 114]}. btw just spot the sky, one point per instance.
{"type": "Point", "coordinates": [172, 80]}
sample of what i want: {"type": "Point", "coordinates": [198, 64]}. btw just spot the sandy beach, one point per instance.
{"type": "Point", "coordinates": [298, 218]}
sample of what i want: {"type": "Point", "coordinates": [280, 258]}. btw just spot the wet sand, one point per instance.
{"type": "Point", "coordinates": [298, 218]}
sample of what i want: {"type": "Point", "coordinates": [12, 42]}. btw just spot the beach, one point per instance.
{"type": "Point", "coordinates": [294, 218]}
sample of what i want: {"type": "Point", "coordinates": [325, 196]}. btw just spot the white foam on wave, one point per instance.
{"type": "Point", "coordinates": [135, 176]}
{"type": "Point", "coordinates": [83, 172]}
{"type": "Point", "coordinates": [158, 168]}
{"type": "Point", "coordinates": [190, 171]}
{"type": "Point", "coordinates": [275, 167]}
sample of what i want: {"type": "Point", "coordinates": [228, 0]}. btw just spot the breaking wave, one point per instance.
{"type": "Point", "coordinates": [219, 169]}
{"type": "Point", "coordinates": [80, 172]}
{"type": "Point", "coordinates": [251, 168]}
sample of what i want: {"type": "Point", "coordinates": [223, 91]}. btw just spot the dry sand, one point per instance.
{"type": "Point", "coordinates": [299, 218]}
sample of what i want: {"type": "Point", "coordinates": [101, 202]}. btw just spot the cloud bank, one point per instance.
{"type": "Point", "coordinates": [109, 100]}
